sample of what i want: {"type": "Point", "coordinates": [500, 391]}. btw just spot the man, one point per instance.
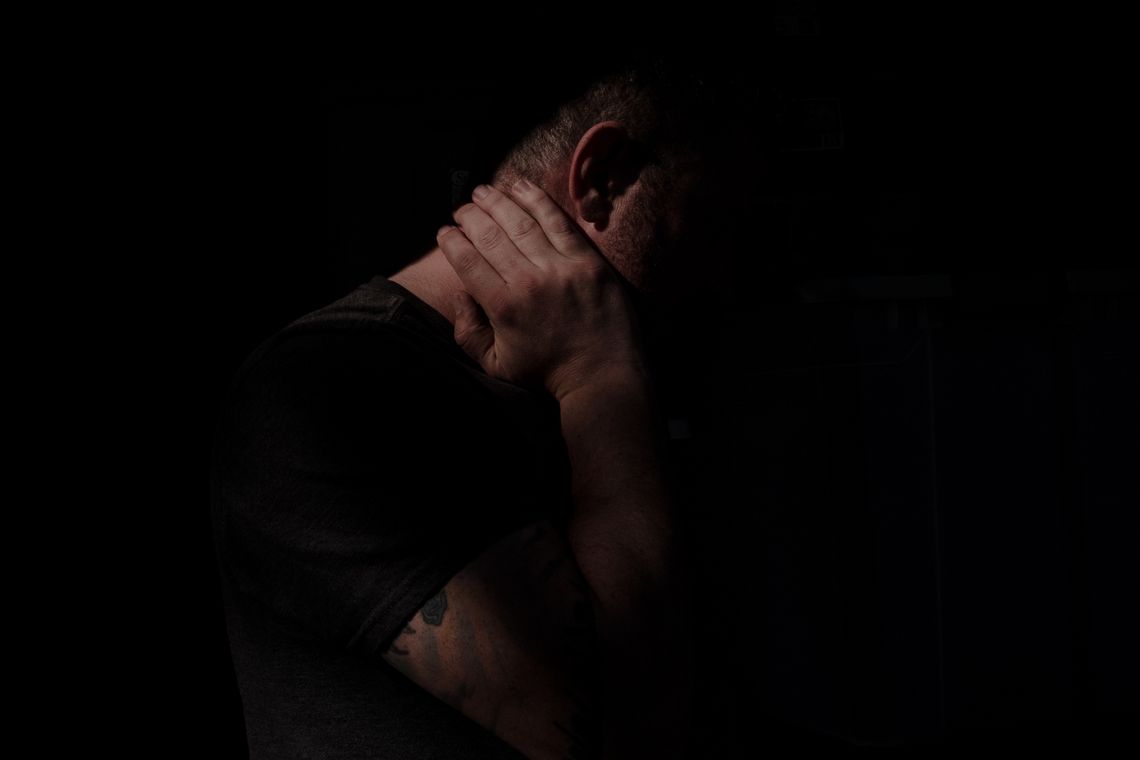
{"type": "Point", "coordinates": [442, 520]}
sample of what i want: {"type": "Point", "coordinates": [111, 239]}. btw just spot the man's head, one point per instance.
{"type": "Point", "coordinates": [655, 162]}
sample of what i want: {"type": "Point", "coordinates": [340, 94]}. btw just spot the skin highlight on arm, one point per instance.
{"type": "Point", "coordinates": [510, 643]}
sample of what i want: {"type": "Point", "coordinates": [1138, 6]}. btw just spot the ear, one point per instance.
{"type": "Point", "coordinates": [605, 163]}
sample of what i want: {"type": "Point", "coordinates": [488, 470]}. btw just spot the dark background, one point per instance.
{"type": "Point", "coordinates": [908, 454]}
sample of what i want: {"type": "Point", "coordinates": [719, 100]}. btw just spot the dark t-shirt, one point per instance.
{"type": "Point", "coordinates": [361, 460]}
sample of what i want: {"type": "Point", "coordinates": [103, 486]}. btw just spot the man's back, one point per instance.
{"type": "Point", "coordinates": [338, 514]}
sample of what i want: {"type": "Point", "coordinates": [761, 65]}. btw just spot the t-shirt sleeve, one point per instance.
{"type": "Point", "coordinates": [356, 473]}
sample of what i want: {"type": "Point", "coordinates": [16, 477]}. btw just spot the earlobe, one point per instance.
{"type": "Point", "coordinates": [595, 209]}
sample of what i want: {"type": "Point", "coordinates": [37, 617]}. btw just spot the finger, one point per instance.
{"type": "Point", "coordinates": [479, 278]}
{"type": "Point", "coordinates": [493, 242]}
{"type": "Point", "coordinates": [472, 331]}
{"type": "Point", "coordinates": [522, 228]}
{"type": "Point", "coordinates": [559, 228]}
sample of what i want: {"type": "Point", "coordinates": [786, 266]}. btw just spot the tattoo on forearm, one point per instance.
{"type": "Point", "coordinates": [472, 669]}
{"type": "Point", "coordinates": [393, 648]}
{"type": "Point", "coordinates": [466, 678]}
{"type": "Point", "coordinates": [433, 610]}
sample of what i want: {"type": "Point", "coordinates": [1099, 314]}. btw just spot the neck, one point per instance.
{"type": "Point", "coordinates": [432, 279]}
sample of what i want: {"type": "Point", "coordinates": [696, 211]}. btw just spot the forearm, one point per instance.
{"type": "Point", "coordinates": [623, 534]}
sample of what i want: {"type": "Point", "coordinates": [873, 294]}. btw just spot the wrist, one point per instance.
{"type": "Point", "coordinates": [615, 378]}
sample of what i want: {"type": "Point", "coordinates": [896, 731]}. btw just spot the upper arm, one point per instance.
{"type": "Point", "coordinates": [330, 502]}
{"type": "Point", "coordinates": [509, 642]}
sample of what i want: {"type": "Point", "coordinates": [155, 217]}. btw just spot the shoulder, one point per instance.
{"type": "Point", "coordinates": [305, 388]}
{"type": "Point", "coordinates": [301, 350]}
{"type": "Point", "coordinates": [346, 393]}
{"type": "Point", "coordinates": [334, 365]}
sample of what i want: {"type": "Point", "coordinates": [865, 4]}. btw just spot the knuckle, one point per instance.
{"type": "Point", "coordinates": [489, 237]}
{"type": "Point", "coordinates": [523, 227]}
{"type": "Point", "coordinates": [466, 262]}
{"type": "Point", "coordinates": [560, 224]}
{"type": "Point", "coordinates": [567, 282]}
{"type": "Point", "coordinates": [504, 310]}
{"type": "Point", "coordinates": [595, 271]}
{"type": "Point", "coordinates": [527, 285]}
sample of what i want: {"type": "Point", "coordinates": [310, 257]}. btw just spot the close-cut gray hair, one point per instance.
{"type": "Point", "coordinates": [669, 110]}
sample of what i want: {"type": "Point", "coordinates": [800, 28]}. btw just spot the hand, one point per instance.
{"type": "Point", "coordinates": [555, 313]}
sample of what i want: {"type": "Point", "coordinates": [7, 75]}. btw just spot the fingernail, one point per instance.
{"type": "Point", "coordinates": [479, 192]}
{"type": "Point", "coordinates": [521, 185]}
{"type": "Point", "coordinates": [443, 229]}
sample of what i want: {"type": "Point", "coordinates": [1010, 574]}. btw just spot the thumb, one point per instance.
{"type": "Point", "coordinates": [473, 332]}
